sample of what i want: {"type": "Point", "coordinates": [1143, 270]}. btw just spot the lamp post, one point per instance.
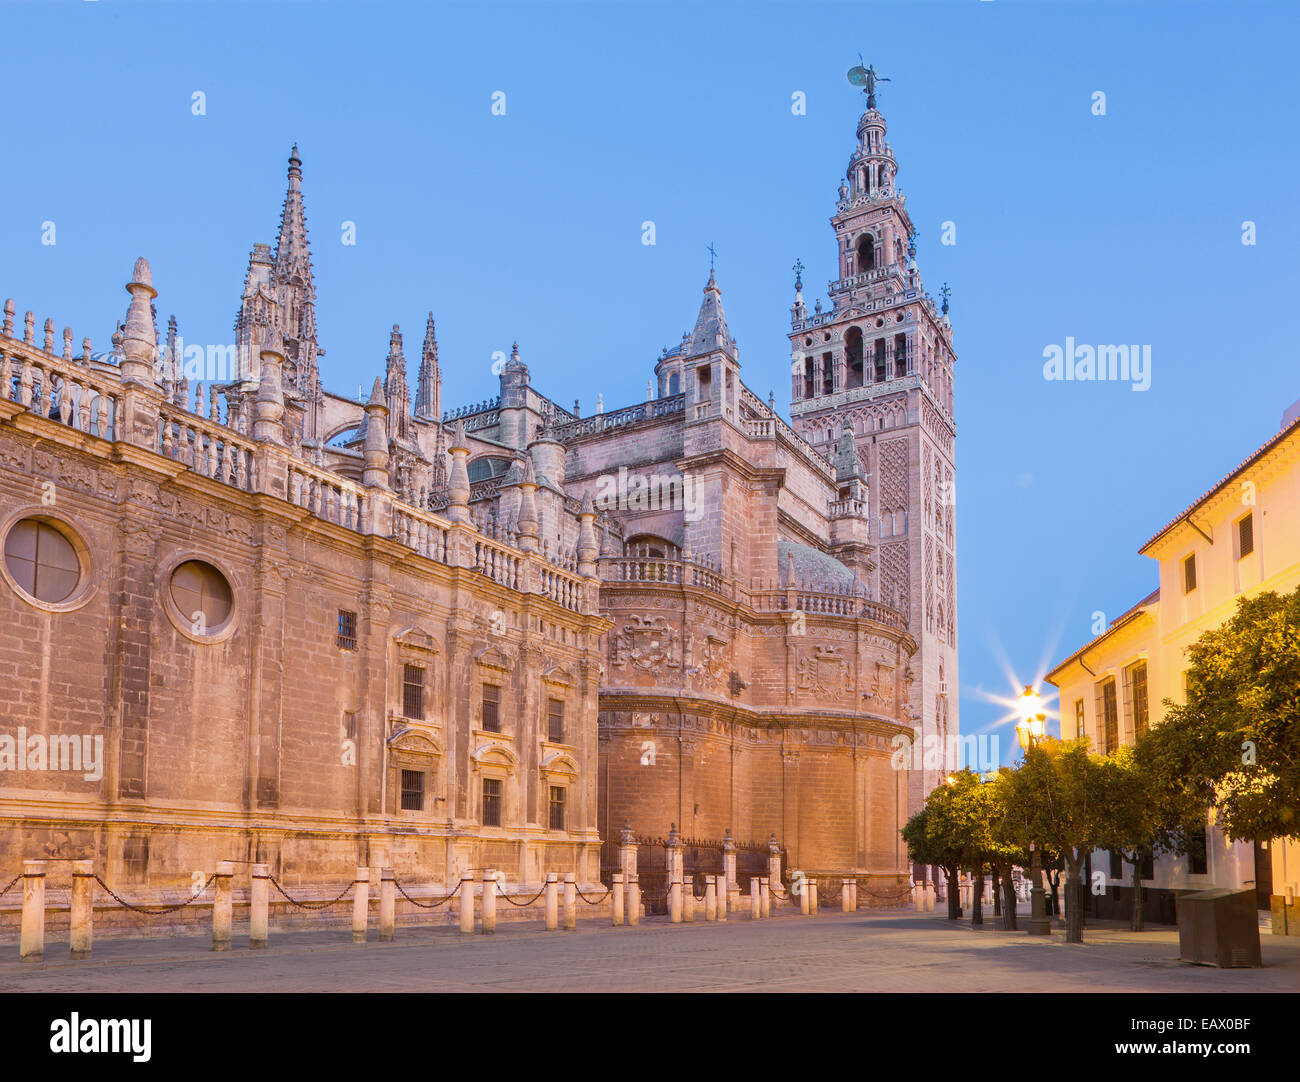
{"type": "Point", "coordinates": [1029, 732]}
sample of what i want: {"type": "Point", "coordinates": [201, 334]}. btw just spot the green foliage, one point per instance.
{"type": "Point", "coordinates": [1236, 741]}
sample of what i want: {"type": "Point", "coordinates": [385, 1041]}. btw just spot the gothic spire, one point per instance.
{"type": "Point", "coordinates": [396, 392]}
{"type": "Point", "coordinates": [428, 388]}
{"type": "Point", "coordinates": [711, 331]}
{"type": "Point", "coordinates": [291, 254]}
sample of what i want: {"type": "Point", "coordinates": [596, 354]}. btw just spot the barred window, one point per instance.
{"type": "Point", "coordinates": [413, 692]}
{"type": "Point", "coordinates": [1138, 690]}
{"type": "Point", "coordinates": [1107, 717]}
{"type": "Point", "coordinates": [557, 807]}
{"type": "Point", "coordinates": [1198, 850]}
{"type": "Point", "coordinates": [491, 708]}
{"type": "Point", "coordinates": [491, 802]}
{"type": "Point", "coordinates": [1078, 718]}
{"type": "Point", "coordinates": [347, 636]}
{"type": "Point", "coordinates": [1116, 866]}
{"type": "Point", "coordinates": [555, 721]}
{"type": "Point", "coordinates": [1245, 536]}
{"type": "Point", "coordinates": [1189, 574]}
{"type": "Point", "coordinates": [412, 790]}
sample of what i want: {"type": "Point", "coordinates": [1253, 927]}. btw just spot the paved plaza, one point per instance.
{"type": "Point", "coordinates": [833, 952]}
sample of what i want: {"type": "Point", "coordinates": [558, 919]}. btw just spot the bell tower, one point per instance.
{"type": "Point", "coordinates": [878, 363]}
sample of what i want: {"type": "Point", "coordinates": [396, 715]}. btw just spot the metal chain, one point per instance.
{"type": "Point", "coordinates": [530, 901]}
{"type": "Point", "coordinates": [309, 905]}
{"type": "Point", "coordinates": [158, 912]}
{"type": "Point", "coordinates": [11, 883]}
{"type": "Point", "coordinates": [593, 901]}
{"type": "Point", "coordinates": [424, 905]}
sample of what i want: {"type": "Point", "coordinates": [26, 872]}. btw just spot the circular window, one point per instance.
{"type": "Point", "coordinates": [42, 561]}
{"type": "Point", "coordinates": [880, 322]}
{"type": "Point", "coordinates": [808, 341]}
{"type": "Point", "coordinates": [202, 595]}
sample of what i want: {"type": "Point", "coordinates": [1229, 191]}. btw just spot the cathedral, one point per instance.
{"type": "Point", "coordinates": [320, 631]}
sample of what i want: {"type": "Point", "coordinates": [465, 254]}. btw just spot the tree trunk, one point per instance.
{"type": "Point", "coordinates": [1074, 904]}
{"type": "Point", "coordinates": [1136, 923]}
{"type": "Point", "coordinates": [953, 891]}
{"type": "Point", "coordinates": [977, 897]}
{"type": "Point", "coordinates": [1008, 902]}
{"type": "Point", "coordinates": [997, 896]}
{"type": "Point", "coordinates": [1054, 895]}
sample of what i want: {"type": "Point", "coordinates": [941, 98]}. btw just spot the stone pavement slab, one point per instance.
{"type": "Point", "coordinates": [832, 952]}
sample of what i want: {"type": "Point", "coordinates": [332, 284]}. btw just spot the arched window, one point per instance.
{"type": "Point", "coordinates": [809, 381]}
{"type": "Point", "coordinates": [853, 355]}
{"type": "Point", "coordinates": [481, 469]}
{"type": "Point", "coordinates": [866, 254]}
{"type": "Point", "coordinates": [674, 384]}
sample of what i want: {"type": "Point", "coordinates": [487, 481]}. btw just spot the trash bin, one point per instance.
{"type": "Point", "coordinates": [1218, 927]}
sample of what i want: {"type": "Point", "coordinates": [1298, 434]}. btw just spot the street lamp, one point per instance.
{"type": "Point", "coordinates": [1029, 732]}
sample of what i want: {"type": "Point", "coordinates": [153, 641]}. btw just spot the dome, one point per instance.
{"type": "Point", "coordinates": [812, 568]}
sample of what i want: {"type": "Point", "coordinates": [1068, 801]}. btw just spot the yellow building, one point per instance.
{"type": "Point", "coordinates": [1241, 538]}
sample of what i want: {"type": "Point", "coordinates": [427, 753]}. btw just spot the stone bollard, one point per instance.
{"type": "Point", "coordinates": [489, 902]}
{"type": "Point", "coordinates": [570, 901]}
{"type": "Point", "coordinates": [616, 896]}
{"type": "Point", "coordinates": [710, 897]}
{"type": "Point", "coordinates": [634, 899]}
{"type": "Point", "coordinates": [812, 897]}
{"type": "Point", "coordinates": [918, 895]}
{"type": "Point", "coordinates": [467, 903]}
{"type": "Point", "coordinates": [929, 895]}
{"type": "Point", "coordinates": [755, 903]}
{"type": "Point", "coordinates": [805, 895]}
{"type": "Point", "coordinates": [853, 895]}
{"type": "Point", "coordinates": [387, 906]}
{"type": "Point", "coordinates": [360, 905]}
{"type": "Point", "coordinates": [765, 898]}
{"type": "Point", "coordinates": [688, 897]}
{"type": "Point", "coordinates": [223, 905]}
{"type": "Point", "coordinates": [83, 907]}
{"type": "Point", "coordinates": [722, 897]}
{"type": "Point", "coordinates": [258, 899]}
{"type": "Point", "coordinates": [552, 901]}
{"type": "Point", "coordinates": [845, 906]}
{"type": "Point", "coordinates": [675, 901]}
{"type": "Point", "coordinates": [31, 943]}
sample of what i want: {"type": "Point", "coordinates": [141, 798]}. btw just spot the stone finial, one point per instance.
{"type": "Point", "coordinates": [85, 350]}
{"type": "Point", "coordinates": [49, 335]}
{"type": "Point", "coordinates": [458, 481]}
{"type": "Point", "coordinates": [268, 409]}
{"type": "Point", "coordinates": [67, 343]}
{"type": "Point", "coordinates": [674, 839]}
{"type": "Point", "coordinates": [600, 403]}
{"type": "Point", "coordinates": [625, 836]}
{"type": "Point", "coordinates": [588, 545]}
{"type": "Point", "coordinates": [9, 318]}
{"type": "Point", "coordinates": [526, 515]}
{"type": "Point", "coordinates": [375, 472]}
{"type": "Point", "coordinates": [139, 336]}
{"type": "Point", "coordinates": [649, 390]}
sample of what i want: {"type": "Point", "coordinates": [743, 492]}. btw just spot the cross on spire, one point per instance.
{"type": "Point", "coordinates": [712, 256]}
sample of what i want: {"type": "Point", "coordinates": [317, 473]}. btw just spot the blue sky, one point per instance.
{"type": "Point", "coordinates": [1123, 228]}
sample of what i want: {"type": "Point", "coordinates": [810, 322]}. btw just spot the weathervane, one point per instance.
{"type": "Point", "coordinates": [867, 79]}
{"type": "Point", "coordinates": [798, 273]}
{"type": "Point", "coordinates": [945, 293]}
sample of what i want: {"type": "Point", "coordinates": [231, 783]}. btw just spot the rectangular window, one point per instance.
{"type": "Point", "coordinates": [349, 725]}
{"type": "Point", "coordinates": [1198, 855]}
{"type": "Point", "coordinates": [1107, 717]}
{"type": "Point", "coordinates": [1138, 690]}
{"type": "Point", "coordinates": [1078, 718]}
{"type": "Point", "coordinates": [1148, 868]}
{"type": "Point", "coordinates": [491, 708]}
{"type": "Point", "coordinates": [1116, 866]}
{"type": "Point", "coordinates": [413, 692]}
{"type": "Point", "coordinates": [1245, 536]}
{"type": "Point", "coordinates": [809, 386]}
{"type": "Point", "coordinates": [491, 802]}
{"type": "Point", "coordinates": [557, 807]}
{"type": "Point", "coordinates": [555, 721]}
{"type": "Point", "coordinates": [412, 790]}
{"type": "Point", "coordinates": [347, 638]}
{"type": "Point", "coordinates": [1189, 574]}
